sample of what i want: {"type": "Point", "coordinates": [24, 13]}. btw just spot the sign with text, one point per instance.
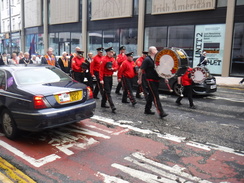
{"type": "Point", "coordinates": [210, 38]}
{"type": "Point", "coordinates": [175, 6]}
{"type": "Point", "coordinates": [107, 9]}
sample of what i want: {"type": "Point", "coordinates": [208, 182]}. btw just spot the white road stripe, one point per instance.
{"type": "Point", "coordinates": [175, 169]}
{"type": "Point", "coordinates": [207, 146]}
{"type": "Point", "coordinates": [141, 175]}
{"type": "Point", "coordinates": [110, 179]}
{"type": "Point", "coordinates": [32, 161]}
{"type": "Point", "coordinates": [228, 99]}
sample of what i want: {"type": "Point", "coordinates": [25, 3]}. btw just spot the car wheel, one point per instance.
{"type": "Point", "coordinates": [8, 124]}
{"type": "Point", "coordinates": [176, 89]}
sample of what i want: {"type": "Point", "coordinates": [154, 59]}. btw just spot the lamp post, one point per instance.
{"type": "Point", "coordinates": [10, 28]}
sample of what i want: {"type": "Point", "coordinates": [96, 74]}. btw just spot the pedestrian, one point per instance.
{"type": "Point", "coordinates": [88, 76]}
{"type": "Point", "coordinates": [186, 81]}
{"type": "Point", "coordinates": [21, 55]}
{"type": "Point", "coordinates": [49, 58]}
{"type": "Point", "coordinates": [120, 59]}
{"type": "Point", "coordinates": [142, 88]}
{"type": "Point", "coordinates": [107, 68]}
{"type": "Point", "coordinates": [14, 59]}
{"type": "Point", "coordinates": [203, 60]}
{"type": "Point", "coordinates": [152, 79]}
{"type": "Point", "coordinates": [126, 73]}
{"type": "Point", "coordinates": [79, 67]}
{"type": "Point", "coordinates": [26, 59]}
{"type": "Point", "coordinates": [94, 70]}
{"type": "Point", "coordinates": [64, 63]}
{"type": "Point", "coordinates": [241, 82]}
{"type": "Point", "coordinates": [35, 59]}
{"type": "Point", "coordinates": [5, 58]}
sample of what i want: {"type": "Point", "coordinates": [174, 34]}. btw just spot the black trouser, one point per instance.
{"type": "Point", "coordinates": [153, 96]}
{"type": "Point", "coordinates": [142, 87]}
{"type": "Point", "coordinates": [98, 86]}
{"type": "Point", "coordinates": [79, 76]}
{"type": "Point", "coordinates": [127, 90]}
{"type": "Point", "coordinates": [118, 87]}
{"type": "Point", "coordinates": [187, 92]}
{"type": "Point", "coordinates": [107, 86]}
{"type": "Point", "coordinates": [89, 80]}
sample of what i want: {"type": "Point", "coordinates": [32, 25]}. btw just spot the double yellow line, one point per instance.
{"type": "Point", "coordinates": [12, 174]}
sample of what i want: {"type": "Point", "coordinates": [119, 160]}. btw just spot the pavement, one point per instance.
{"type": "Point", "coordinates": [229, 81]}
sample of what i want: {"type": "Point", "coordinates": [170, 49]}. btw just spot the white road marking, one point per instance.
{"type": "Point", "coordinates": [228, 99]}
{"type": "Point", "coordinates": [110, 179]}
{"type": "Point", "coordinates": [32, 161]}
{"type": "Point", "coordinates": [207, 146]}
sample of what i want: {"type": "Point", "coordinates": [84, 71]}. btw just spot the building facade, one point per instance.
{"type": "Point", "coordinates": [214, 26]}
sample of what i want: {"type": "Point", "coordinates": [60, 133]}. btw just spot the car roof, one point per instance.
{"type": "Point", "coordinates": [12, 68]}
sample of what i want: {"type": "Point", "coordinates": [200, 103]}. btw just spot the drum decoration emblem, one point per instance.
{"type": "Point", "coordinates": [198, 74]}
{"type": "Point", "coordinates": [166, 63]}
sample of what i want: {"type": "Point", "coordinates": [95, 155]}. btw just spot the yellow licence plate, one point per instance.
{"type": "Point", "coordinates": [68, 97]}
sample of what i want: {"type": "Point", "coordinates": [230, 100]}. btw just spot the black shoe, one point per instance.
{"type": "Point", "coordinates": [126, 102]}
{"type": "Point", "coordinates": [133, 104]}
{"type": "Point", "coordinates": [104, 106]}
{"type": "Point", "coordinates": [178, 103]}
{"type": "Point", "coordinates": [118, 93]}
{"type": "Point", "coordinates": [113, 110]}
{"type": "Point", "coordinates": [163, 115]}
{"type": "Point", "coordinates": [193, 107]}
{"type": "Point", "coordinates": [149, 112]}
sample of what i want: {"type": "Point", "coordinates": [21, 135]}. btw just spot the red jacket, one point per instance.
{"type": "Point", "coordinates": [95, 64]}
{"type": "Point", "coordinates": [139, 61]}
{"type": "Point", "coordinates": [121, 58]}
{"type": "Point", "coordinates": [185, 80]}
{"type": "Point", "coordinates": [126, 69]}
{"type": "Point", "coordinates": [104, 71]}
{"type": "Point", "coordinates": [76, 63]}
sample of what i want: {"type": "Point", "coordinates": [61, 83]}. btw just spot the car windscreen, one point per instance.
{"type": "Point", "coordinates": [40, 75]}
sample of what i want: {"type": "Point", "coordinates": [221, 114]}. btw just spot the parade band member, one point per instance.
{"type": "Point", "coordinates": [78, 63]}
{"type": "Point", "coordinates": [87, 73]}
{"type": "Point", "coordinates": [126, 74]}
{"type": "Point", "coordinates": [120, 59]}
{"type": "Point", "coordinates": [107, 67]}
{"type": "Point", "coordinates": [152, 79]}
{"type": "Point", "coordinates": [64, 63]}
{"type": "Point", "coordinates": [186, 81]}
{"type": "Point", "coordinates": [94, 70]}
{"type": "Point", "coordinates": [49, 58]}
{"type": "Point", "coordinates": [26, 59]}
{"type": "Point", "coordinates": [143, 86]}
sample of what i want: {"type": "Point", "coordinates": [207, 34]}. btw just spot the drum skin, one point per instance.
{"type": "Point", "coordinates": [199, 74]}
{"type": "Point", "coordinates": [168, 61]}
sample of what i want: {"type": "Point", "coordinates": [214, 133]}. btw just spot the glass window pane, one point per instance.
{"type": "Point", "coordinates": [94, 40]}
{"type": "Point", "coordinates": [182, 37]}
{"type": "Point", "coordinates": [128, 38]}
{"type": "Point", "coordinates": [155, 36]}
{"type": "Point", "coordinates": [136, 7]}
{"type": "Point", "coordinates": [75, 40]}
{"type": "Point", "coordinates": [222, 3]}
{"type": "Point", "coordinates": [111, 38]}
{"type": "Point", "coordinates": [53, 42]}
{"type": "Point", "coordinates": [238, 50]}
{"type": "Point", "coordinates": [148, 6]}
{"type": "Point", "coordinates": [239, 2]}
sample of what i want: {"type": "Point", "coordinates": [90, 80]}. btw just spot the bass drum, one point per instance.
{"type": "Point", "coordinates": [199, 74]}
{"type": "Point", "coordinates": [168, 61]}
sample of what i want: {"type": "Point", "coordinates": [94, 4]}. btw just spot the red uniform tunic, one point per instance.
{"type": "Point", "coordinates": [121, 58]}
{"type": "Point", "coordinates": [95, 64]}
{"type": "Point", "coordinates": [139, 61]}
{"type": "Point", "coordinates": [76, 63]}
{"type": "Point", "coordinates": [185, 80]}
{"type": "Point", "coordinates": [126, 69]}
{"type": "Point", "coordinates": [104, 71]}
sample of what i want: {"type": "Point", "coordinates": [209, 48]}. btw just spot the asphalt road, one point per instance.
{"type": "Point", "coordinates": [194, 145]}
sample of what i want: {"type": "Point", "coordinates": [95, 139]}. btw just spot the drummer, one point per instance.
{"type": "Point", "coordinates": [152, 79]}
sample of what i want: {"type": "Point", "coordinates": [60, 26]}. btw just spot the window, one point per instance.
{"type": "Point", "coordinates": [239, 2]}
{"type": "Point", "coordinates": [94, 40]}
{"type": "Point", "coordinates": [222, 3]}
{"type": "Point", "coordinates": [128, 38]}
{"type": "Point", "coordinates": [237, 61]}
{"type": "Point", "coordinates": [2, 81]}
{"type": "Point", "coordinates": [155, 36]}
{"type": "Point", "coordinates": [111, 38]}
